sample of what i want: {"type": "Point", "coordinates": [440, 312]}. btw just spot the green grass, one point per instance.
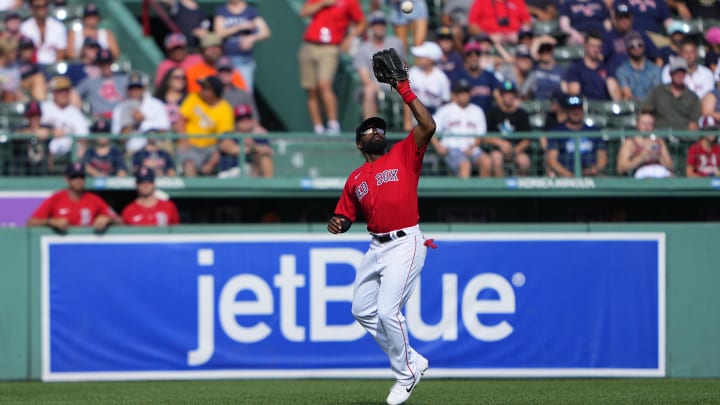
{"type": "Point", "coordinates": [431, 391]}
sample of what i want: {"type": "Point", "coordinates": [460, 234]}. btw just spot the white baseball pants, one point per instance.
{"type": "Point", "coordinates": [385, 280]}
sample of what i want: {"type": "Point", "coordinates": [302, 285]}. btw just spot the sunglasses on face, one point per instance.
{"type": "Point", "coordinates": [370, 131]}
{"type": "Point", "coordinates": [636, 44]}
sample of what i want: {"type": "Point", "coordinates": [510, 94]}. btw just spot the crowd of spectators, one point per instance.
{"type": "Point", "coordinates": [475, 68]}
{"type": "Point", "coordinates": [637, 57]}
{"type": "Point", "coordinates": [202, 89]}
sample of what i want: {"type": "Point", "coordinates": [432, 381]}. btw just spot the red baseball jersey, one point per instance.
{"type": "Point", "coordinates": [385, 191]}
{"type": "Point", "coordinates": [705, 162]}
{"type": "Point", "coordinates": [486, 14]}
{"type": "Point", "coordinates": [79, 213]}
{"type": "Point", "coordinates": [163, 213]}
{"type": "Point", "coordinates": [330, 24]}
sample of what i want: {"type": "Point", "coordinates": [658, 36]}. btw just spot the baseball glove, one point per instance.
{"type": "Point", "coordinates": [388, 67]}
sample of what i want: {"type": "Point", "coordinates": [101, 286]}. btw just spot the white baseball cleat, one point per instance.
{"type": "Point", "coordinates": [400, 393]}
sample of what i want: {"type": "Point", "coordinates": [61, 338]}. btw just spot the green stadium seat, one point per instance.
{"type": "Point", "coordinates": [315, 156]}
{"type": "Point", "coordinates": [622, 121]}
{"type": "Point", "coordinates": [611, 107]}
{"type": "Point", "coordinates": [596, 120]}
{"type": "Point", "coordinates": [536, 106]}
{"type": "Point", "coordinates": [537, 120]}
{"type": "Point", "coordinates": [546, 28]}
{"type": "Point", "coordinates": [568, 53]}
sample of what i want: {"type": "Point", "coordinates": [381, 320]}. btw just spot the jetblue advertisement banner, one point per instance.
{"type": "Point", "coordinates": [278, 306]}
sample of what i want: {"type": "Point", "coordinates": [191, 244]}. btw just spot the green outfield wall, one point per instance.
{"type": "Point", "coordinates": [693, 274]}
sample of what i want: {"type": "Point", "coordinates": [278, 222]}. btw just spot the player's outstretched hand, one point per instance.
{"type": "Point", "coordinates": [336, 225]}
{"type": "Point", "coordinates": [388, 67]}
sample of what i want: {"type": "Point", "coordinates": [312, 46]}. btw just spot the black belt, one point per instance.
{"type": "Point", "coordinates": [389, 236]}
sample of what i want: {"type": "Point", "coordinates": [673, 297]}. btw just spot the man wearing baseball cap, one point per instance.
{"type": "Point", "coordinates": [104, 92]}
{"type": "Point", "coordinates": [68, 121]}
{"type": "Point", "coordinates": [427, 80]}
{"type": "Point", "coordinates": [74, 206]}
{"type": "Point", "coordinates": [211, 51]}
{"type": "Point", "coordinates": [203, 113]}
{"type": "Point", "coordinates": [560, 156]}
{"type": "Point", "coordinates": [91, 24]}
{"type": "Point", "coordinates": [510, 121]}
{"type": "Point", "coordinates": [673, 104]}
{"type": "Point", "coordinates": [176, 48]}
{"type": "Point", "coordinates": [147, 209]}
{"type": "Point", "coordinates": [258, 151]}
{"type": "Point", "coordinates": [614, 48]}
{"type": "Point", "coordinates": [703, 158]}
{"type": "Point", "coordinates": [460, 125]}
{"type": "Point", "coordinates": [139, 113]}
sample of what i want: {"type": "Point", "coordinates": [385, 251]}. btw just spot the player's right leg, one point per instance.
{"type": "Point", "coordinates": [364, 303]}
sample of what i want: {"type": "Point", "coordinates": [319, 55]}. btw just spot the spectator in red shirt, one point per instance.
{"type": "Point", "coordinates": [176, 47]}
{"type": "Point", "coordinates": [325, 37]}
{"type": "Point", "coordinates": [704, 155]}
{"type": "Point", "coordinates": [148, 209]}
{"type": "Point", "coordinates": [501, 19]}
{"type": "Point", "coordinates": [74, 206]}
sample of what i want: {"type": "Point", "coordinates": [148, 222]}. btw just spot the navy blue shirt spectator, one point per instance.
{"type": "Point", "coordinates": [566, 147]}
{"type": "Point", "coordinates": [584, 16]}
{"type": "Point", "coordinates": [615, 52]}
{"type": "Point", "coordinates": [592, 81]}
{"type": "Point", "coordinates": [560, 156]}
{"type": "Point", "coordinates": [649, 15]}
{"type": "Point", "coordinates": [155, 159]}
{"type": "Point", "coordinates": [590, 77]}
{"type": "Point", "coordinates": [104, 159]}
{"type": "Point", "coordinates": [481, 88]}
{"type": "Point", "coordinates": [190, 18]}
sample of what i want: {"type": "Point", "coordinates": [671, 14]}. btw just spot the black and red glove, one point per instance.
{"type": "Point", "coordinates": [389, 68]}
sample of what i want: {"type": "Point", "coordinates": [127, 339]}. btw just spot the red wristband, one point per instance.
{"type": "Point", "coordinates": [406, 92]}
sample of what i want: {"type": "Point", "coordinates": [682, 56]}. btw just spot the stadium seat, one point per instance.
{"type": "Point", "coordinates": [547, 28]}
{"type": "Point", "coordinates": [610, 107]}
{"type": "Point", "coordinates": [535, 106]}
{"type": "Point", "coordinates": [566, 54]}
{"type": "Point", "coordinates": [622, 121]}
{"type": "Point", "coordinates": [67, 12]}
{"type": "Point", "coordinates": [10, 113]}
{"type": "Point", "coordinates": [596, 120]}
{"type": "Point", "coordinates": [537, 120]}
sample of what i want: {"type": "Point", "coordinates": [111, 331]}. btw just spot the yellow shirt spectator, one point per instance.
{"type": "Point", "coordinates": [204, 119]}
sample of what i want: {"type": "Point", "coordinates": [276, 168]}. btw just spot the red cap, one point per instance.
{"type": "Point", "coordinates": [32, 109]}
{"type": "Point", "coordinates": [243, 110]}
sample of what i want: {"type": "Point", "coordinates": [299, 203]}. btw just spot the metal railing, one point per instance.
{"type": "Point", "coordinates": [311, 155]}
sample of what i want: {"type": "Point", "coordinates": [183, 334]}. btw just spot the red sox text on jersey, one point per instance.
{"type": "Point", "coordinates": [385, 191]}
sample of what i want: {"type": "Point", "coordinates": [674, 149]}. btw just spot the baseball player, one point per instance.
{"type": "Point", "coordinates": [148, 209]}
{"type": "Point", "coordinates": [384, 192]}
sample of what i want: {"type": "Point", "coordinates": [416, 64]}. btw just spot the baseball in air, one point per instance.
{"type": "Point", "coordinates": [407, 6]}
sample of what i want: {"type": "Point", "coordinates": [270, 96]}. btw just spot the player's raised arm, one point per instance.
{"type": "Point", "coordinates": [389, 68]}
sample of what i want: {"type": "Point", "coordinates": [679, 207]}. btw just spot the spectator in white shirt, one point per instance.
{"type": "Point", "coordinates": [66, 120]}
{"type": "Point", "coordinates": [140, 112]}
{"type": "Point", "coordinates": [427, 80]}
{"type": "Point", "coordinates": [699, 79]}
{"type": "Point", "coordinates": [48, 34]}
{"type": "Point", "coordinates": [459, 126]}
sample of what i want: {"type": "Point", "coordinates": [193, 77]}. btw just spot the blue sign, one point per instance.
{"type": "Point", "coordinates": [226, 306]}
